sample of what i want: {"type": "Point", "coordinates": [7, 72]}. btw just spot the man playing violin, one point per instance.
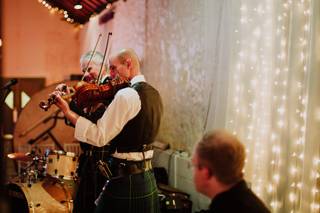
{"type": "Point", "coordinates": [129, 125]}
{"type": "Point", "coordinates": [91, 181]}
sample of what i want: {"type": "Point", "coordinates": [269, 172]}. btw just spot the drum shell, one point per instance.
{"type": "Point", "coordinates": [47, 196]}
{"type": "Point", "coordinates": [62, 166]}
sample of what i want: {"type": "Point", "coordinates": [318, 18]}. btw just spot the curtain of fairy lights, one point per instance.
{"type": "Point", "coordinates": [268, 101]}
{"type": "Point", "coordinates": [249, 108]}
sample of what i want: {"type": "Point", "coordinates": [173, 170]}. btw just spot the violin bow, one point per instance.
{"type": "Point", "coordinates": [104, 56]}
{"type": "Point", "coordinates": [93, 52]}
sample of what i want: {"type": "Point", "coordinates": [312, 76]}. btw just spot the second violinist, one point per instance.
{"type": "Point", "coordinates": [91, 181]}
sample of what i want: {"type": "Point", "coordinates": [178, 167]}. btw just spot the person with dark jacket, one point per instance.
{"type": "Point", "coordinates": [218, 163]}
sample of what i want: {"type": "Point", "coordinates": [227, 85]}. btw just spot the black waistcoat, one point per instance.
{"type": "Point", "coordinates": [143, 128]}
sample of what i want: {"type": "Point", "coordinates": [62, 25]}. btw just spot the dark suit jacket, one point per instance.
{"type": "Point", "coordinates": [238, 199]}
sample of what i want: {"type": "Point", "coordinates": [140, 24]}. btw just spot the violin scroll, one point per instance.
{"type": "Point", "coordinates": [66, 93]}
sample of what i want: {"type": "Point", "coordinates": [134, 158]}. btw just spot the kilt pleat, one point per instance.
{"type": "Point", "coordinates": [135, 193]}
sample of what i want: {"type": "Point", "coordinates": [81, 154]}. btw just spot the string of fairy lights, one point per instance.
{"type": "Point", "coordinates": [314, 204]}
{"type": "Point", "coordinates": [305, 46]}
{"type": "Point", "coordinates": [298, 120]}
{"type": "Point", "coordinates": [65, 14]}
{"type": "Point", "coordinates": [54, 10]}
{"type": "Point", "coordinates": [296, 163]}
{"type": "Point", "coordinates": [279, 101]}
{"type": "Point", "coordinates": [269, 102]}
{"type": "Point", "coordinates": [250, 111]}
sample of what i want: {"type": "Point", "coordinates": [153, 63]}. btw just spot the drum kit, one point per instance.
{"type": "Point", "coordinates": [46, 180]}
{"type": "Point", "coordinates": [46, 184]}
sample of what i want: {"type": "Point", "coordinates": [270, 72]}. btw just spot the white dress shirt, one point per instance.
{"type": "Point", "coordinates": [125, 106]}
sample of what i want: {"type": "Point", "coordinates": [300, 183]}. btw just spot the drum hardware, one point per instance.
{"type": "Point", "coordinates": [33, 189]}
{"type": "Point", "coordinates": [34, 171]}
{"type": "Point", "coordinates": [41, 121]}
{"type": "Point", "coordinates": [37, 189]}
{"type": "Point", "coordinates": [47, 133]}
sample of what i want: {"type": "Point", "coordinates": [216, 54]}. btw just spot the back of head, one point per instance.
{"type": "Point", "coordinates": [125, 54]}
{"type": "Point", "coordinates": [223, 154]}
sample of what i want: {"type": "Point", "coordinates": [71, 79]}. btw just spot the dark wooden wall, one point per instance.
{"type": "Point", "coordinates": [2, 166]}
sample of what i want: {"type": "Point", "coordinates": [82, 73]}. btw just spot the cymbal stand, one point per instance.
{"type": "Point", "coordinates": [48, 132]}
{"type": "Point", "coordinates": [33, 171]}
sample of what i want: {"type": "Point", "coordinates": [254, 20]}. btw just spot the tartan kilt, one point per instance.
{"type": "Point", "coordinates": [135, 193]}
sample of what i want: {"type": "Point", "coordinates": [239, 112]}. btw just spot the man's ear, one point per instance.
{"type": "Point", "coordinates": [129, 62]}
{"type": "Point", "coordinates": [206, 173]}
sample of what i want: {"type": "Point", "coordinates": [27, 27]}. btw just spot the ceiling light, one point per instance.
{"type": "Point", "coordinates": [77, 5]}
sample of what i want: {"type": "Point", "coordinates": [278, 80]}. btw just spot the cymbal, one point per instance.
{"type": "Point", "coordinates": [20, 156]}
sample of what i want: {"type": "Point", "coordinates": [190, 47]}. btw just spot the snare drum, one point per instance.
{"type": "Point", "coordinates": [62, 165]}
{"type": "Point", "coordinates": [48, 196]}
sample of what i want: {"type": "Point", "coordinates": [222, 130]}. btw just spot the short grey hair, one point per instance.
{"type": "Point", "coordinates": [97, 58]}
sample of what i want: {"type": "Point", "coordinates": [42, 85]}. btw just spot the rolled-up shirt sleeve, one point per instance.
{"type": "Point", "coordinates": [125, 106]}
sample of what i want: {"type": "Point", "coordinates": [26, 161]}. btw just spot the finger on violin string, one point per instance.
{"type": "Point", "coordinates": [60, 87]}
{"type": "Point", "coordinates": [55, 94]}
{"type": "Point", "coordinates": [72, 90]}
{"type": "Point", "coordinates": [64, 88]}
{"type": "Point", "coordinates": [67, 90]}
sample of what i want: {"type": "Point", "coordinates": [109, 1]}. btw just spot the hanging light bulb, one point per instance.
{"type": "Point", "coordinates": [108, 6]}
{"type": "Point", "coordinates": [77, 5]}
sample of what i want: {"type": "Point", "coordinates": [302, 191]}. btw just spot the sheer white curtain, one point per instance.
{"type": "Point", "coordinates": [266, 91]}
{"type": "Point", "coordinates": [250, 66]}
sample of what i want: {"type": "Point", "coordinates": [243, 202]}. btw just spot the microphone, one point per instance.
{"type": "Point", "coordinates": [10, 83]}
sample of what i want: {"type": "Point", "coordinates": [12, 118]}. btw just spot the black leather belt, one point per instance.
{"type": "Point", "coordinates": [125, 168]}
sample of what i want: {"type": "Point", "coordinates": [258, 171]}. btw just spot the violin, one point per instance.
{"type": "Point", "coordinates": [86, 94]}
{"type": "Point", "coordinates": [89, 94]}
